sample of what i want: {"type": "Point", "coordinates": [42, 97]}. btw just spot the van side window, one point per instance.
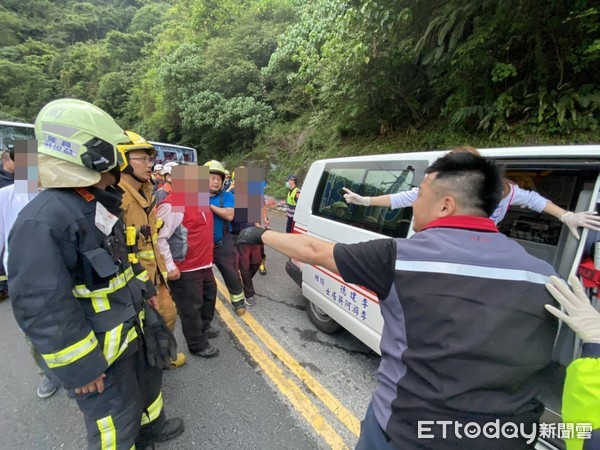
{"type": "Point", "coordinates": [329, 199]}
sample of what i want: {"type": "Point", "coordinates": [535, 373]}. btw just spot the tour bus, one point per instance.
{"type": "Point", "coordinates": [178, 153]}
{"type": "Point", "coordinates": [14, 131]}
{"type": "Point", "coordinates": [567, 175]}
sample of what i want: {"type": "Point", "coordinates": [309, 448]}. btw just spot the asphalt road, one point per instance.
{"type": "Point", "coordinates": [249, 397]}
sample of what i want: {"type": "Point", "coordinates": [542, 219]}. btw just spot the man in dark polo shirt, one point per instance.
{"type": "Point", "coordinates": [465, 330]}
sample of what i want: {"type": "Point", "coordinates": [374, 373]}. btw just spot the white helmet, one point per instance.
{"type": "Point", "coordinates": [167, 167]}
{"type": "Point", "coordinates": [158, 167]}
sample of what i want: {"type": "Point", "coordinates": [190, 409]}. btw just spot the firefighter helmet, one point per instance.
{"type": "Point", "coordinates": [76, 142]}
{"type": "Point", "coordinates": [137, 142]}
{"type": "Point", "coordinates": [215, 166]}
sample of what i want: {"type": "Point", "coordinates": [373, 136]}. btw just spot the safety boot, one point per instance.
{"type": "Point", "coordinates": [161, 432]}
{"type": "Point", "coordinates": [179, 361]}
{"type": "Point", "coordinates": [239, 308]}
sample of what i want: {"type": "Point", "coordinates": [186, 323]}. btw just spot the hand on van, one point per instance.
{"type": "Point", "coordinates": [356, 199]}
{"type": "Point", "coordinates": [579, 313]}
{"type": "Point", "coordinates": [251, 236]}
{"type": "Point", "coordinates": [585, 219]}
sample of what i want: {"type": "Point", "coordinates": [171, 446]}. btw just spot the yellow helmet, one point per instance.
{"type": "Point", "coordinates": [137, 143]}
{"type": "Point", "coordinates": [215, 166]}
{"type": "Point", "coordinates": [76, 143]}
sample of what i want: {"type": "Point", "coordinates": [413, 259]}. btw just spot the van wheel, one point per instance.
{"type": "Point", "coordinates": [321, 320]}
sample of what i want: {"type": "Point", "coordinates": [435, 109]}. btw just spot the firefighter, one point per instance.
{"type": "Point", "coordinates": [225, 252]}
{"type": "Point", "coordinates": [74, 292]}
{"type": "Point", "coordinates": [139, 208]}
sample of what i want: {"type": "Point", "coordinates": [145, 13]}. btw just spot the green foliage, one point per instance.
{"type": "Point", "coordinates": [289, 81]}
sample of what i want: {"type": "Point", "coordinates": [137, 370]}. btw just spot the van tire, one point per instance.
{"type": "Point", "coordinates": [321, 320]}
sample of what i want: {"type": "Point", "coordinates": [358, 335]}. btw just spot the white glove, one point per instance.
{"type": "Point", "coordinates": [581, 316]}
{"type": "Point", "coordinates": [585, 219]}
{"type": "Point", "coordinates": [356, 199]}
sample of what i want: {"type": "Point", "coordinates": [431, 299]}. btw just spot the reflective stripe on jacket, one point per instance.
{"type": "Point", "coordinates": [139, 209]}
{"type": "Point", "coordinates": [74, 292]}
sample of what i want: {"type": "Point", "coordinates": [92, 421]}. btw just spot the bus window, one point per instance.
{"type": "Point", "coordinates": [178, 153]}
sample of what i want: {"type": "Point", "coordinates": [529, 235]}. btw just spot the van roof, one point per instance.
{"type": "Point", "coordinates": [553, 151]}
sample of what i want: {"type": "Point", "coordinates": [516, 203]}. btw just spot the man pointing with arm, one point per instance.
{"type": "Point", "coordinates": [457, 298]}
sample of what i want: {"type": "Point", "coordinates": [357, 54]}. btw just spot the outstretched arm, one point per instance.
{"type": "Point", "coordinates": [307, 249]}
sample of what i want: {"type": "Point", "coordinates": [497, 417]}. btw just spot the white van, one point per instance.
{"type": "Point", "coordinates": [567, 175]}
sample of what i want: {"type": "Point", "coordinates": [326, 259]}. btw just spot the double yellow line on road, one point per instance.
{"type": "Point", "coordinates": [291, 390]}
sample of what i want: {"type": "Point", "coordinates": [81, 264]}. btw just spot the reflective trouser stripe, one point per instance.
{"type": "Point", "coordinates": [72, 353]}
{"type": "Point", "coordinates": [108, 433]}
{"type": "Point", "coordinates": [99, 297]}
{"type": "Point", "coordinates": [3, 278]}
{"type": "Point", "coordinates": [153, 411]}
{"type": "Point", "coordinates": [143, 276]}
{"type": "Point", "coordinates": [146, 254]}
{"type": "Point", "coordinates": [237, 297]}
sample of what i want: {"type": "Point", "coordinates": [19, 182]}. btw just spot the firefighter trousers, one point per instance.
{"type": "Point", "coordinates": [131, 399]}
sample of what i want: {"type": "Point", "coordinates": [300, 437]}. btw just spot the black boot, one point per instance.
{"type": "Point", "coordinates": [163, 431]}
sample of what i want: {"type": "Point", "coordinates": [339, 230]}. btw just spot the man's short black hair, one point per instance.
{"type": "Point", "coordinates": [475, 180]}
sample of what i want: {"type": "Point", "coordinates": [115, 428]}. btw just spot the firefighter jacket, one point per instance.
{"type": "Point", "coordinates": [139, 211]}
{"type": "Point", "coordinates": [74, 293]}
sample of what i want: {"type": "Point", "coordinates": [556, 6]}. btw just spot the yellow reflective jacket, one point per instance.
{"type": "Point", "coordinates": [139, 209]}
{"type": "Point", "coordinates": [581, 400]}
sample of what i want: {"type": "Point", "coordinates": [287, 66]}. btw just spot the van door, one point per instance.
{"type": "Point", "coordinates": [572, 184]}
{"type": "Point", "coordinates": [354, 307]}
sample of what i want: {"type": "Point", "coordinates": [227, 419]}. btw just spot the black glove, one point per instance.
{"type": "Point", "coordinates": [161, 347]}
{"type": "Point", "coordinates": [250, 236]}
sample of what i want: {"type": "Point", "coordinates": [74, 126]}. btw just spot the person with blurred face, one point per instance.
{"type": "Point", "coordinates": [225, 254]}
{"type": "Point", "coordinates": [186, 241]}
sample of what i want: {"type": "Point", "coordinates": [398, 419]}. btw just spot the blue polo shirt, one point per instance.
{"type": "Point", "coordinates": [222, 200]}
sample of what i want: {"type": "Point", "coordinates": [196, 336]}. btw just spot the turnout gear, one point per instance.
{"type": "Point", "coordinates": [82, 310]}
{"type": "Point", "coordinates": [90, 278]}
{"type": "Point", "coordinates": [139, 208]}
{"type": "Point", "coordinates": [161, 347]}
{"type": "Point", "coordinates": [76, 142]}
